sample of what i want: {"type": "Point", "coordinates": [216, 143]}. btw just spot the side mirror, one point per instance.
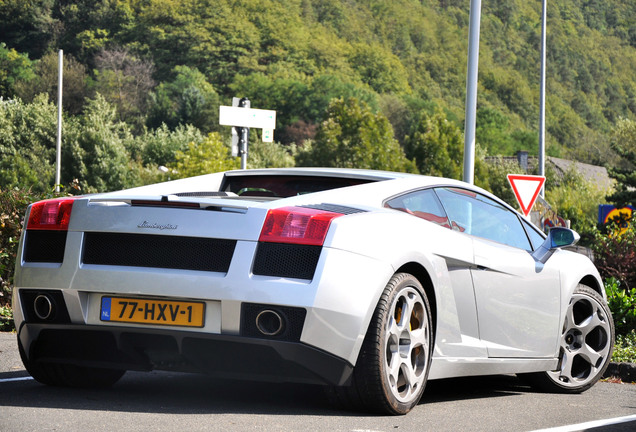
{"type": "Point", "coordinates": [562, 237]}
{"type": "Point", "coordinates": [558, 237]}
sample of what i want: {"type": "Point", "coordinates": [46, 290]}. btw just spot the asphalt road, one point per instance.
{"type": "Point", "coordinates": [160, 401]}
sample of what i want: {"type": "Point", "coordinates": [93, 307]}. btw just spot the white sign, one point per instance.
{"type": "Point", "coordinates": [526, 189]}
{"type": "Point", "coordinates": [268, 135]}
{"type": "Point", "coordinates": [247, 117]}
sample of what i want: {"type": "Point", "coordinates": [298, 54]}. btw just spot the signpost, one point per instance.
{"type": "Point", "coordinates": [526, 189]}
{"type": "Point", "coordinates": [241, 117]}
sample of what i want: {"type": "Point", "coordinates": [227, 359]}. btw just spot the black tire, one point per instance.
{"type": "Point", "coordinates": [586, 344]}
{"type": "Point", "coordinates": [67, 375]}
{"type": "Point", "coordinates": [393, 364]}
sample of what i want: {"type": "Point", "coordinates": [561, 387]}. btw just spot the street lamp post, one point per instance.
{"type": "Point", "coordinates": [471, 91]}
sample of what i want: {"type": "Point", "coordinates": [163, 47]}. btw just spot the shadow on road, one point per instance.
{"type": "Point", "coordinates": [176, 393]}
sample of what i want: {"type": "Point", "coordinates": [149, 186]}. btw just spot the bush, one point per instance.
{"type": "Point", "coordinates": [615, 254]}
{"type": "Point", "coordinates": [6, 319]}
{"type": "Point", "coordinates": [625, 348]}
{"type": "Point", "coordinates": [622, 303]}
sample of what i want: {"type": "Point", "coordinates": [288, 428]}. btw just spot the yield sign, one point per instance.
{"type": "Point", "coordinates": [526, 189]}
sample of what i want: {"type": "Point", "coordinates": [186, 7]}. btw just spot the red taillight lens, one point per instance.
{"type": "Point", "coordinates": [51, 214]}
{"type": "Point", "coordinates": [297, 225]}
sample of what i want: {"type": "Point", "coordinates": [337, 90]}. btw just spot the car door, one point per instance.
{"type": "Point", "coordinates": [518, 298]}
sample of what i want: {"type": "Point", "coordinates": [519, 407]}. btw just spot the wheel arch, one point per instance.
{"type": "Point", "coordinates": [593, 283]}
{"type": "Point", "coordinates": [422, 275]}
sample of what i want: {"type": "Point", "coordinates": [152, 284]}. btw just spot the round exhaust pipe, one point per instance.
{"type": "Point", "coordinates": [270, 322]}
{"type": "Point", "coordinates": [43, 307]}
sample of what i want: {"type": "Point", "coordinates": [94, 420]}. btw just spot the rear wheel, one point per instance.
{"type": "Point", "coordinates": [394, 361]}
{"type": "Point", "coordinates": [586, 344]}
{"type": "Point", "coordinates": [65, 375]}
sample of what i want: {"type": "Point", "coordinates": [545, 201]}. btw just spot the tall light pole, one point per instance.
{"type": "Point", "coordinates": [471, 91]}
{"type": "Point", "coordinates": [542, 98]}
{"type": "Point", "coordinates": [58, 146]}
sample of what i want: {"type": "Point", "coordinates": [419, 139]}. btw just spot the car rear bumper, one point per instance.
{"type": "Point", "coordinates": [219, 355]}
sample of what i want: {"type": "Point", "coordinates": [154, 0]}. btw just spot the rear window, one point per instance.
{"type": "Point", "coordinates": [283, 186]}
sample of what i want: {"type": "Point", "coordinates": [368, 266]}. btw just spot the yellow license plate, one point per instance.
{"type": "Point", "coordinates": [152, 311]}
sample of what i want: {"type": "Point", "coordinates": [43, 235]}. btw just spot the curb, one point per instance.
{"type": "Point", "coordinates": [625, 371]}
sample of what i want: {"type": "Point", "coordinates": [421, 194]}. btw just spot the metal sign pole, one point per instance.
{"type": "Point", "coordinates": [244, 135]}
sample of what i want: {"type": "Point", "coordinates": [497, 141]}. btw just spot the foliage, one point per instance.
{"type": "Point", "coordinates": [353, 137]}
{"type": "Point", "coordinates": [125, 81]}
{"type": "Point", "coordinates": [270, 155]}
{"type": "Point", "coordinates": [624, 142]}
{"type": "Point", "coordinates": [576, 199]}
{"type": "Point", "coordinates": [14, 67]}
{"type": "Point", "coordinates": [159, 146]}
{"type": "Point", "coordinates": [436, 146]}
{"type": "Point", "coordinates": [622, 303]}
{"type": "Point", "coordinates": [209, 156]}
{"type": "Point", "coordinates": [625, 348]}
{"type": "Point", "coordinates": [96, 152]}
{"type": "Point", "coordinates": [188, 99]}
{"type": "Point", "coordinates": [295, 56]}
{"type": "Point", "coordinates": [615, 255]}
{"type": "Point", "coordinates": [6, 319]}
{"type": "Point", "coordinates": [44, 79]}
{"type": "Point", "coordinates": [27, 144]}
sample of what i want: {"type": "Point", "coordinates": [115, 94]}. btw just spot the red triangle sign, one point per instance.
{"type": "Point", "coordinates": [526, 189]}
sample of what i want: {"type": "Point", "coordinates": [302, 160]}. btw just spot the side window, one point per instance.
{"type": "Point", "coordinates": [535, 237]}
{"type": "Point", "coordinates": [423, 204]}
{"type": "Point", "coordinates": [483, 217]}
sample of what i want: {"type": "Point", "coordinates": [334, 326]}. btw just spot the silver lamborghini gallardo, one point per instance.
{"type": "Point", "coordinates": [370, 283]}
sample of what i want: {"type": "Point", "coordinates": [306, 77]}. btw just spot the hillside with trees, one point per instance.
{"type": "Point", "coordinates": [143, 80]}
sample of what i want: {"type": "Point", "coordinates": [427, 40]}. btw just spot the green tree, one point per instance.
{"type": "Point", "coordinates": [270, 155]}
{"type": "Point", "coordinates": [352, 136]}
{"type": "Point", "coordinates": [624, 143]}
{"type": "Point", "coordinates": [209, 156]}
{"type": "Point", "coordinates": [14, 67]}
{"type": "Point", "coordinates": [45, 80]}
{"type": "Point", "coordinates": [95, 150]}
{"type": "Point", "coordinates": [27, 25]}
{"type": "Point", "coordinates": [436, 145]}
{"type": "Point", "coordinates": [27, 144]}
{"type": "Point", "coordinates": [188, 99]}
{"type": "Point", "coordinates": [160, 146]}
{"type": "Point", "coordinates": [379, 68]}
{"type": "Point", "coordinates": [125, 81]}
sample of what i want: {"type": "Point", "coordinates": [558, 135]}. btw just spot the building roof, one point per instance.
{"type": "Point", "coordinates": [593, 173]}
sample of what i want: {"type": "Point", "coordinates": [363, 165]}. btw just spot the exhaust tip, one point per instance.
{"type": "Point", "coordinates": [43, 307]}
{"type": "Point", "coordinates": [270, 323]}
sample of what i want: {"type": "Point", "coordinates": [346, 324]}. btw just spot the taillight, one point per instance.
{"type": "Point", "coordinates": [53, 214]}
{"type": "Point", "coordinates": [297, 225]}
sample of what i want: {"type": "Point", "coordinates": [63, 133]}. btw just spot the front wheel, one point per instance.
{"type": "Point", "coordinates": [394, 361]}
{"type": "Point", "coordinates": [586, 344]}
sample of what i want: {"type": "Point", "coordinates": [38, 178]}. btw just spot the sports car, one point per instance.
{"type": "Point", "coordinates": [370, 283]}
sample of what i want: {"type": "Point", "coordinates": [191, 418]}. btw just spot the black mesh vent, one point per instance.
{"type": "Point", "coordinates": [286, 260]}
{"type": "Point", "coordinates": [293, 321]}
{"type": "Point", "coordinates": [335, 208]}
{"type": "Point", "coordinates": [44, 246]}
{"type": "Point", "coordinates": [143, 250]}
